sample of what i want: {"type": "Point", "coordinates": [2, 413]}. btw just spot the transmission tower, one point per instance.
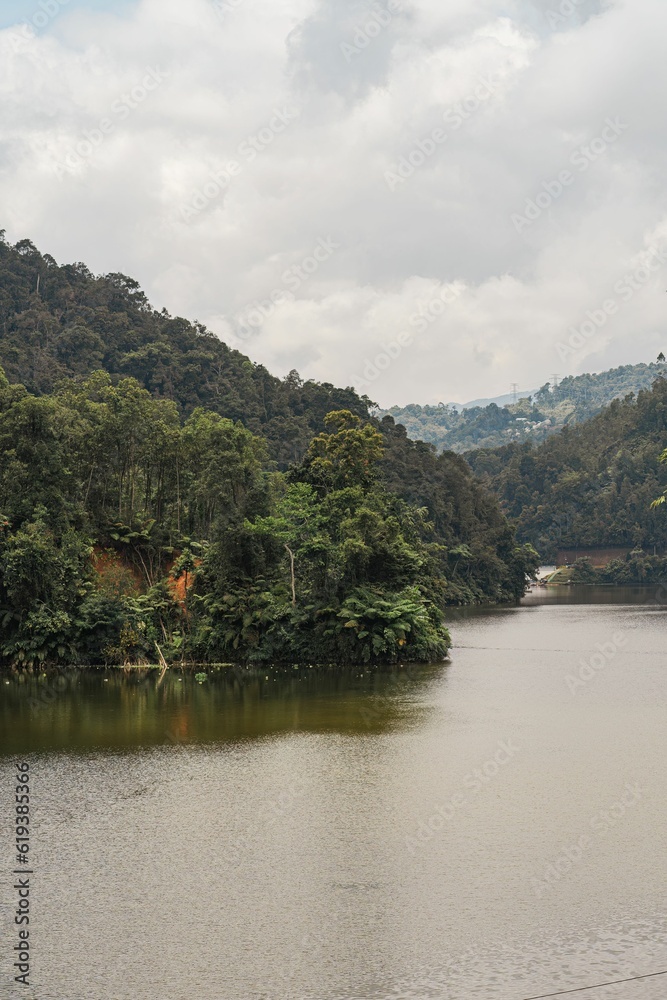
{"type": "Point", "coordinates": [554, 381]}
{"type": "Point", "coordinates": [515, 389]}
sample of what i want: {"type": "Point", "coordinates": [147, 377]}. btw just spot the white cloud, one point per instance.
{"type": "Point", "coordinates": [98, 163]}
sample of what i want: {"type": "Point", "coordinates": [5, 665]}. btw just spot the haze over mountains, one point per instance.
{"type": "Point", "coordinates": [495, 422]}
{"type": "Point", "coordinates": [503, 400]}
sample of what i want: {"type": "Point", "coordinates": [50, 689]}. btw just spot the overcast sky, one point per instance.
{"type": "Point", "coordinates": [428, 200]}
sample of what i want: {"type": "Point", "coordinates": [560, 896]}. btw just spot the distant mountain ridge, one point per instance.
{"type": "Point", "coordinates": [493, 423]}
{"type": "Point", "coordinates": [503, 400]}
{"type": "Point", "coordinates": [592, 485]}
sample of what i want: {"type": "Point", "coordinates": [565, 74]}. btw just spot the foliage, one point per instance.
{"type": "Point", "coordinates": [479, 557]}
{"type": "Point", "coordinates": [583, 572]}
{"type": "Point", "coordinates": [59, 322]}
{"type": "Point", "coordinates": [371, 626]}
{"type": "Point", "coordinates": [146, 511]}
{"type": "Point", "coordinates": [659, 501]}
{"type": "Point", "coordinates": [639, 568]}
{"type": "Point", "coordinates": [346, 575]}
{"type": "Point", "coordinates": [590, 485]}
{"type": "Point", "coordinates": [346, 455]}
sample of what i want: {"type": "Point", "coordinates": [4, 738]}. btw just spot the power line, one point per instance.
{"type": "Point", "coordinates": [597, 986]}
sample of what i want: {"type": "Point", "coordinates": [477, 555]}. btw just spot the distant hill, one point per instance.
{"type": "Point", "coordinates": [577, 398]}
{"type": "Point", "coordinates": [592, 484]}
{"type": "Point", "coordinates": [498, 400]}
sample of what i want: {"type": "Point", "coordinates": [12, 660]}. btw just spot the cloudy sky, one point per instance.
{"type": "Point", "coordinates": [427, 200]}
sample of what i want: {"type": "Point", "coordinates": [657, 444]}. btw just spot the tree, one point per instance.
{"type": "Point", "coordinates": [222, 463]}
{"type": "Point", "coordinates": [297, 523]}
{"type": "Point", "coordinates": [346, 454]}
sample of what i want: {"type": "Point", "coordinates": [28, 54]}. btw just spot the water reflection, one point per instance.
{"type": "Point", "coordinates": [80, 710]}
{"type": "Point", "coordinates": [539, 597]}
{"type": "Point", "coordinates": [596, 595]}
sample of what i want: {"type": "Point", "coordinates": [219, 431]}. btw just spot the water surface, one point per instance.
{"type": "Point", "coordinates": [492, 827]}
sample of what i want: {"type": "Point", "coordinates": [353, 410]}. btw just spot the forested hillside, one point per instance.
{"type": "Point", "coordinates": [591, 484]}
{"type": "Point", "coordinates": [574, 400]}
{"type": "Point", "coordinates": [137, 523]}
{"type": "Point", "coordinates": [483, 560]}
{"type": "Point", "coordinates": [62, 321]}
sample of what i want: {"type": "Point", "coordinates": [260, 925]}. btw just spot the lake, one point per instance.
{"type": "Point", "coordinates": [491, 827]}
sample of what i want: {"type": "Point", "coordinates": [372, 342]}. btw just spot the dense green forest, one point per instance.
{"type": "Point", "coordinates": [638, 567]}
{"type": "Point", "coordinates": [166, 516]}
{"type": "Point", "coordinates": [592, 484]}
{"type": "Point", "coordinates": [61, 321]}
{"type": "Point", "coordinates": [574, 400]}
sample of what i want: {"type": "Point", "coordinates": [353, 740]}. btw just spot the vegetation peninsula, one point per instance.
{"type": "Point", "coordinates": [164, 498]}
